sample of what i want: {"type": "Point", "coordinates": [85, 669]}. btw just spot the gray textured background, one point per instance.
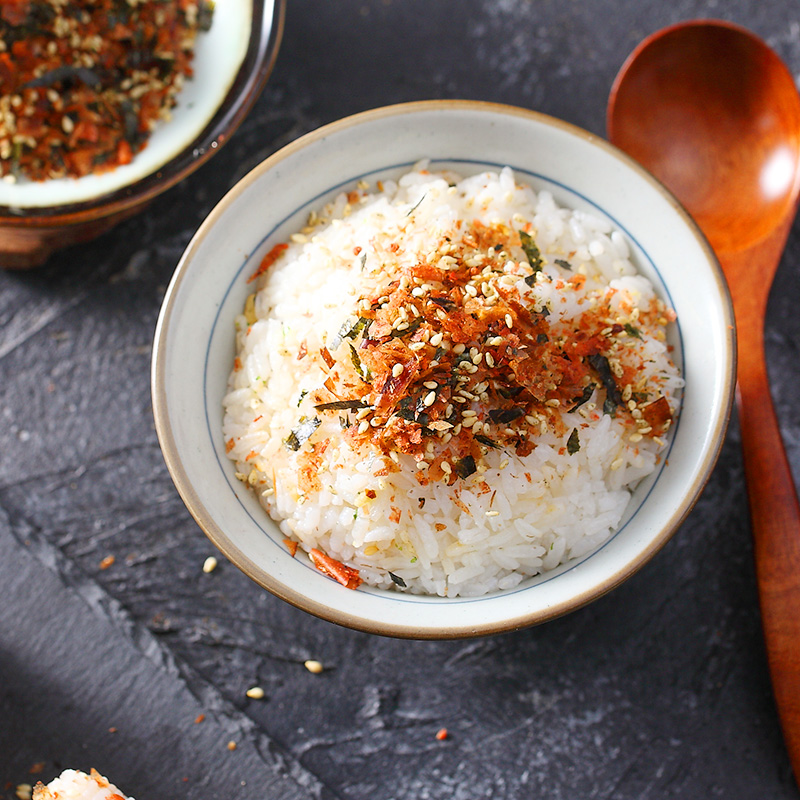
{"type": "Point", "coordinates": [658, 690]}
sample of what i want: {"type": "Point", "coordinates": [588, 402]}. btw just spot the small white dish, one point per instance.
{"type": "Point", "coordinates": [232, 62]}
{"type": "Point", "coordinates": [194, 346]}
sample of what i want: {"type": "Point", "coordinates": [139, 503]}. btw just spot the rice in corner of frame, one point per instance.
{"type": "Point", "coordinates": [76, 785]}
{"type": "Point", "coordinates": [445, 385]}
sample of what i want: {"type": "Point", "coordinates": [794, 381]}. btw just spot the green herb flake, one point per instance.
{"type": "Point", "coordinates": [564, 264]}
{"type": "Point", "coordinates": [573, 443]}
{"type": "Point", "coordinates": [631, 331]}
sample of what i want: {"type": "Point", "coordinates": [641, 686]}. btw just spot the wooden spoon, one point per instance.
{"type": "Point", "coordinates": [713, 113]}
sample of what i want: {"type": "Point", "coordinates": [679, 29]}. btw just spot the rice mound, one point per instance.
{"type": "Point", "coordinates": [445, 385]}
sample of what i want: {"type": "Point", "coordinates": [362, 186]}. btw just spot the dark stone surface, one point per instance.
{"type": "Point", "coordinates": [657, 690]}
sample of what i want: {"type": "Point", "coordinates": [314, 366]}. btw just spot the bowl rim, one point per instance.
{"type": "Point", "coordinates": [406, 630]}
{"type": "Point", "coordinates": [268, 17]}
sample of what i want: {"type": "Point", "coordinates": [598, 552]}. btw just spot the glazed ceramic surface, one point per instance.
{"type": "Point", "coordinates": [194, 346]}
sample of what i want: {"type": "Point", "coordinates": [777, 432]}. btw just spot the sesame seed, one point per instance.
{"type": "Point", "coordinates": [210, 564]}
{"type": "Point", "coordinates": [477, 358]}
{"type": "Point", "coordinates": [430, 398]}
{"type": "Point", "coordinates": [489, 360]}
{"type": "Point", "coordinates": [635, 437]}
{"type": "Point", "coordinates": [363, 427]}
{"type": "Point", "coordinates": [313, 666]}
{"type": "Point", "coordinates": [431, 385]}
{"type": "Point", "coordinates": [255, 693]}
{"type": "Point", "coordinates": [468, 412]}
{"type": "Point", "coordinates": [471, 290]}
{"type": "Point", "coordinates": [627, 392]}
{"type": "Point", "coordinates": [446, 468]}
{"type": "Point", "coordinates": [397, 370]}
{"type": "Point", "coordinates": [459, 348]}
{"type": "Point", "coordinates": [509, 321]}
{"type": "Point", "coordinates": [492, 513]}
{"type": "Point", "coordinates": [436, 339]}
{"type": "Point", "coordinates": [414, 346]}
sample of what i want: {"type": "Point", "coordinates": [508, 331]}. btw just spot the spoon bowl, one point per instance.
{"type": "Point", "coordinates": [714, 113]}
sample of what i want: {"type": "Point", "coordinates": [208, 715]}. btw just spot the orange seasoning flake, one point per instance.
{"type": "Point", "coordinates": [269, 259]}
{"type": "Point", "coordinates": [347, 576]}
{"type": "Point", "coordinates": [291, 546]}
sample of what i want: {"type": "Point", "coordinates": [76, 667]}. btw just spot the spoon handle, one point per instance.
{"type": "Point", "coordinates": [774, 509]}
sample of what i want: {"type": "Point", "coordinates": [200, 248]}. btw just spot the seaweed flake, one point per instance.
{"type": "Point", "coordinates": [464, 467]}
{"type": "Point", "coordinates": [533, 254]}
{"type": "Point", "coordinates": [573, 443]}
{"type": "Point", "coordinates": [341, 405]}
{"type": "Point", "coordinates": [302, 432]}
{"type": "Point", "coordinates": [603, 368]}
{"type": "Point", "coordinates": [588, 391]}
{"type": "Point", "coordinates": [361, 369]}
{"type": "Point", "coordinates": [502, 416]}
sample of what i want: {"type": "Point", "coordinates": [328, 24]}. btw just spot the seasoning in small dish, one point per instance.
{"type": "Point", "coordinates": [84, 84]}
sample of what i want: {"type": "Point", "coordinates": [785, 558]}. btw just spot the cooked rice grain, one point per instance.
{"type": "Point", "coordinates": [421, 481]}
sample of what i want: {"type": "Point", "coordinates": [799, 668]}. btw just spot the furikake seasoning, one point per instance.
{"type": "Point", "coordinates": [83, 83]}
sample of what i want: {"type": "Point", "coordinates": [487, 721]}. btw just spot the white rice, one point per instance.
{"type": "Point", "coordinates": [406, 524]}
{"type": "Point", "coordinates": [75, 785]}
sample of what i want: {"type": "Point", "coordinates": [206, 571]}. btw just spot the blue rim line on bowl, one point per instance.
{"type": "Point", "coordinates": [226, 466]}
